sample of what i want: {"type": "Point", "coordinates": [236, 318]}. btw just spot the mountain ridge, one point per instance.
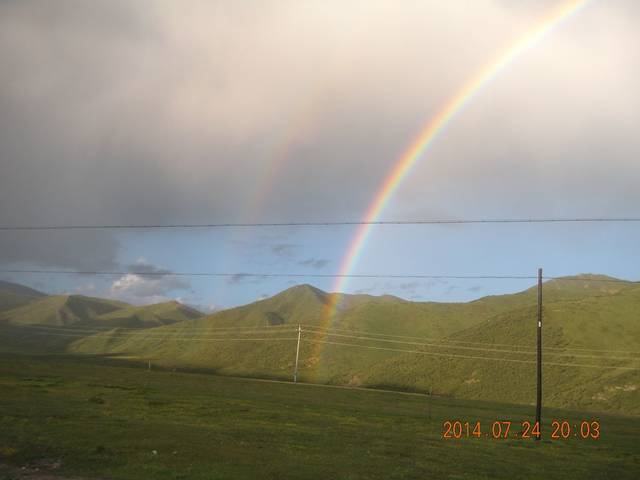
{"type": "Point", "coordinates": [384, 341]}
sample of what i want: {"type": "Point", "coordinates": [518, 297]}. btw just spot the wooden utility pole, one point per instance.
{"type": "Point", "coordinates": [539, 359]}
{"type": "Point", "coordinates": [295, 372]}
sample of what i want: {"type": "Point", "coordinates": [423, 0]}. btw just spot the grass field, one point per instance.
{"type": "Point", "coordinates": [98, 418]}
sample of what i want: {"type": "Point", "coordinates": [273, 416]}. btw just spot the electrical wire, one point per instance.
{"type": "Point", "coordinates": [87, 333]}
{"type": "Point", "coordinates": [470, 357]}
{"type": "Point", "coordinates": [168, 337]}
{"type": "Point", "coordinates": [322, 224]}
{"type": "Point", "coordinates": [359, 332]}
{"type": "Point", "coordinates": [303, 339]}
{"type": "Point", "coordinates": [519, 352]}
{"type": "Point", "coordinates": [310, 275]}
{"type": "Point", "coordinates": [266, 275]}
{"type": "Point", "coordinates": [222, 331]}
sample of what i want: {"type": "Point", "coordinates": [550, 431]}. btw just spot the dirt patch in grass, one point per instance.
{"type": "Point", "coordinates": [44, 469]}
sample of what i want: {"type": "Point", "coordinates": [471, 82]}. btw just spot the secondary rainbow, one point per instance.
{"type": "Point", "coordinates": [298, 130]}
{"type": "Point", "coordinates": [430, 132]}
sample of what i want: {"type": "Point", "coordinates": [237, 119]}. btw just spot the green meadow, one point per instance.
{"type": "Point", "coordinates": [100, 418]}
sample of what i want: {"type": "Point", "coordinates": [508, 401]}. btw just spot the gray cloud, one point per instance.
{"type": "Point", "coordinates": [74, 250]}
{"type": "Point", "coordinates": [316, 263]}
{"type": "Point", "coordinates": [142, 266]}
{"type": "Point", "coordinates": [244, 278]}
{"type": "Point", "coordinates": [284, 250]}
{"type": "Point", "coordinates": [143, 289]}
{"type": "Point", "coordinates": [148, 112]}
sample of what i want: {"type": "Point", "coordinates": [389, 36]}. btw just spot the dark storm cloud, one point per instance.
{"type": "Point", "coordinates": [85, 251]}
{"type": "Point", "coordinates": [150, 112]}
{"type": "Point", "coordinates": [103, 121]}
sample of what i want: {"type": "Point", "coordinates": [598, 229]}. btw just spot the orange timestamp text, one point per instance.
{"type": "Point", "coordinates": [504, 429]}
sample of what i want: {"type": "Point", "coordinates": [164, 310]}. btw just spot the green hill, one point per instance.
{"type": "Point", "coordinates": [483, 349]}
{"type": "Point", "coordinates": [51, 323]}
{"type": "Point", "coordinates": [13, 295]}
{"type": "Point", "coordinates": [205, 343]}
{"type": "Point", "coordinates": [148, 316]}
{"type": "Point", "coordinates": [595, 331]}
{"type": "Point", "coordinates": [259, 340]}
{"type": "Point", "coordinates": [61, 310]}
{"type": "Point", "coordinates": [17, 289]}
{"type": "Point", "coordinates": [78, 310]}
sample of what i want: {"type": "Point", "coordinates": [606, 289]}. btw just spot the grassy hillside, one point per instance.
{"type": "Point", "coordinates": [483, 349]}
{"type": "Point", "coordinates": [13, 295]}
{"type": "Point", "coordinates": [60, 310]}
{"type": "Point", "coordinates": [147, 316]}
{"type": "Point", "coordinates": [17, 289]}
{"type": "Point", "coordinates": [594, 332]}
{"type": "Point", "coordinates": [224, 341]}
{"type": "Point", "coordinates": [259, 340]}
{"type": "Point", "coordinates": [50, 324]}
{"type": "Point", "coordinates": [103, 421]}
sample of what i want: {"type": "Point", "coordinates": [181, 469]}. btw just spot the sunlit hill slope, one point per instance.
{"type": "Point", "coordinates": [482, 349]}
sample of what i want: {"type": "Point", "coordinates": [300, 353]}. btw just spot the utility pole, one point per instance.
{"type": "Point", "coordinates": [539, 360]}
{"type": "Point", "coordinates": [295, 372]}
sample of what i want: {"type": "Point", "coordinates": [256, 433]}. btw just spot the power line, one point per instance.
{"type": "Point", "coordinates": [163, 337]}
{"type": "Point", "coordinates": [139, 330]}
{"type": "Point", "coordinates": [278, 329]}
{"type": "Point", "coordinates": [309, 275]}
{"type": "Point", "coordinates": [133, 335]}
{"type": "Point", "coordinates": [131, 332]}
{"type": "Point", "coordinates": [466, 342]}
{"type": "Point", "coordinates": [322, 224]}
{"type": "Point", "coordinates": [437, 354]}
{"type": "Point", "coordinates": [422, 352]}
{"type": "Point", "coordinates": [482, 349]}
{"type": "Point", "coordinates": [269, 275]}
{"type": "Point", "coordinates": [470, 357]}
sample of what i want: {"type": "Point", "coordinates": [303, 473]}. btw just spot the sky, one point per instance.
{"type": "Point", "coordinates": [161, 112]}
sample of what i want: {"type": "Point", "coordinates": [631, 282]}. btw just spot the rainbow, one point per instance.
{"type": "Point", "coordinates": [300, 128]}
{"type": "Point", "coordinates": [280, 155]}
{"type": "Point", "coordinates": [431, 131]}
